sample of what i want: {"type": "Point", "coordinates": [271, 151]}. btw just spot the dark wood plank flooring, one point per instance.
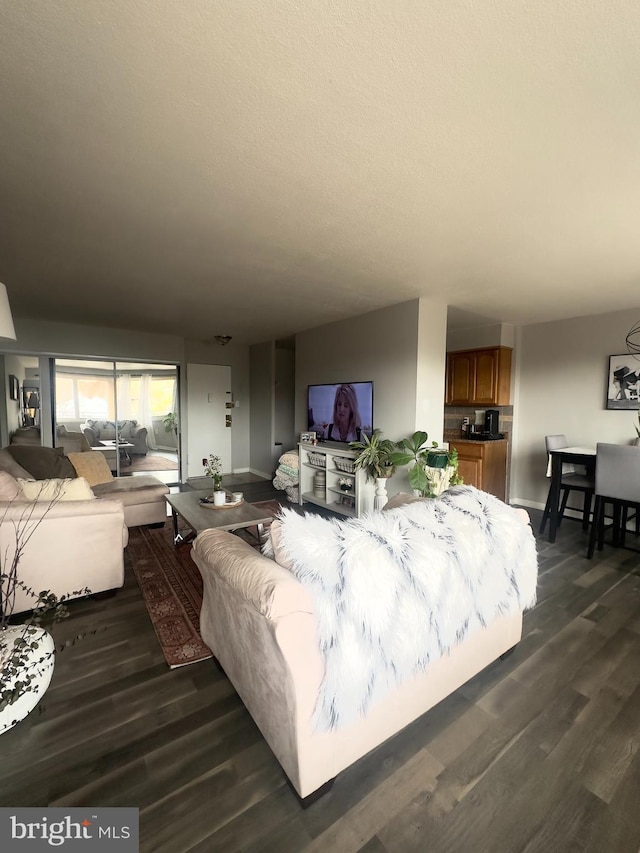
{"type": "Point", "coordinates": [540, 752]}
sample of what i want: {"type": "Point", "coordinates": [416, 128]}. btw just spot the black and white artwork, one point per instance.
{"type": "Point", "coordinates": [622, 387]}
{"type": "Point", "coordinates": [14, 388]}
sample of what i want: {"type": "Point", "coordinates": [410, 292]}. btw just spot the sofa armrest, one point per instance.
{"type": "Point", "coordinates": [272, 590]}
{"type": "Point", "coordinates": [92, 435]}
{"type": "Point", "coordinates": [139, 432]}
{"type": "Point", "coordinates": [74, 545]}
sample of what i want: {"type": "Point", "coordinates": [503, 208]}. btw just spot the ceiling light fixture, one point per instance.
{"type": "Point", "coordinates": [7, 329]}
{"type": "Point", "coordinates": [633, 340]}
{"type": "Point", "coordinates": [223, 340]}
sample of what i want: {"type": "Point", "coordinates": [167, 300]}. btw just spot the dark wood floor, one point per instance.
{"type": "Point", "coordinates": [540, 752]}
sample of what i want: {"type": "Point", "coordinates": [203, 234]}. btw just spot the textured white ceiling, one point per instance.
{"type": "Point", "coordinates": [258, 167]}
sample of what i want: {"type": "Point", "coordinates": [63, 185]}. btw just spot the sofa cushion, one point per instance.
{"type": "Point", "coordinates": [91, 465]}
{"type": "Point", "coordinates": [76, 489]}
{"type": "Point", "coordinates": [132, 490]}
{"type": "Point", "coordinates": [9, 464]}
{"type": "Point", "coordinates": [9, 487]}
{"type": "Point", "coordinates": [274, 548]}
{"type": "Point", "coordinates": [43, 463]}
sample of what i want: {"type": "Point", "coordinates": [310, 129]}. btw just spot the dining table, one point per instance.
{"type": "Point", "coordinates": [576, 456]}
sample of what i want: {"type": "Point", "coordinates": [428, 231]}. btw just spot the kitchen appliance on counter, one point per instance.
{"type": "Point", "coordinates": [489, 429]}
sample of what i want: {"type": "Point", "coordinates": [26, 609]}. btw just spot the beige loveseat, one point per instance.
{"type": "Point", "coordinates": [142, 497]}
{"type": "Point", "coordinates": [75, 545]}
{"type": "Point", "coordinates": [261, 619]}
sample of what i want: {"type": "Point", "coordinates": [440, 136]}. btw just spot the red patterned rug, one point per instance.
{"type": "Point", "coordinates": [171, 587]}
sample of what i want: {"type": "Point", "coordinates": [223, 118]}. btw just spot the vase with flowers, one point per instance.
{"type": "Point", "coordinates": [213, 469]}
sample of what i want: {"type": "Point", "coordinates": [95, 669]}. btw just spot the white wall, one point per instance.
{"type": "Point", "coordinates": [561, 385]}
{"type": "Point", "coordinates": [431, 366]}
{"type": "Point", "coordinates": [493, 335]}
{"type": "Point", "coordinates": [262, 369]}
{"type": "Point", "coordinates": [401, 349]}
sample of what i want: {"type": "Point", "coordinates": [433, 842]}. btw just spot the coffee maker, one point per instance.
{"type": "Point", "coordinates": [491, 420]}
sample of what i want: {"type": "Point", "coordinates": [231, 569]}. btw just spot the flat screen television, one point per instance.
{"type": "Point", "coordinates": [341, 411]}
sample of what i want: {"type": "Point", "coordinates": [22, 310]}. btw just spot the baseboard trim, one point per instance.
{"type": "Point", "coordinates": [260, 474]}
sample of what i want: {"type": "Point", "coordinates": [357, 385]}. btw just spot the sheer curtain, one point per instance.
{"type": "Point", "coordinates": [134, 402]}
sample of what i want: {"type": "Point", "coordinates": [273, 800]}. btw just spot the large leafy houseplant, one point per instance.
{"type": "Point", "coordinates": [374, 455]}
{"type": "Point", "coordinates": [433, 468]}
{"type": "Point", "coordinates": [170, 421]}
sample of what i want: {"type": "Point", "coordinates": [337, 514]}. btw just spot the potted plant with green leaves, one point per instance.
{"type": "Point", "coordinates": [170, 421]}
{"type": "Point", "coordinates": [374, 458]}
{"type": "Point", "coordinates": [434, 469]}
{"type": "Point", "coordinates": [374, 455]}
{"type": "Point", "coordinates": [213, 469]}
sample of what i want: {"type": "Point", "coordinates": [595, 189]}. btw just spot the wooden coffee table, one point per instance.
{"type": "Point", "coordinates": [197, 517]}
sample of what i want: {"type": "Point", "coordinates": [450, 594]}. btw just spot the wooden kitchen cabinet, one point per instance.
{"type": "Point", "coordinates": [483, 464]}
{"type": "Point", "coordinates": [480, 377]}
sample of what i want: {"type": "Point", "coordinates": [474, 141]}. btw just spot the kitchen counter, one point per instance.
{"type": "Point", "coordinates": [482, 463]}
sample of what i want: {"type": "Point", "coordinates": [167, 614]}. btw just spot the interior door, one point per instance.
{"type": "Point", "coordinates": [208, 391]}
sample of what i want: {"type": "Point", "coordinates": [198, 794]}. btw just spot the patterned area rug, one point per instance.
{"type": "Point", "coordinates": [171, 587]}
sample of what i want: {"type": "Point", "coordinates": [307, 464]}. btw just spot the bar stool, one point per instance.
{"type": "Point", "coordinates": [617, 483]}
{"type": "Point", "coordinates": [571, 481]}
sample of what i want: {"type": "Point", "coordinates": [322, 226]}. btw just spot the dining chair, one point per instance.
{"type": "Point", "coordinates": [617, 483]}
{"type": "Point", "coordinates": [571, 481]}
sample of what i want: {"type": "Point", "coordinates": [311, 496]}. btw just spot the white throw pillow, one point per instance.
{"type": "Point", "coordinates": [9, 487]}
{"type": "Point", "coordinates": [77, 489]}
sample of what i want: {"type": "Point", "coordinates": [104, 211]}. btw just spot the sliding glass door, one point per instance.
{"type": "Point", "coordinates": [120, 408]}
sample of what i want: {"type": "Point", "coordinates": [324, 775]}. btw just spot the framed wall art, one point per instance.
{"type": "Point", "coordinates": [307, 437]}
{"type": "Point", "coordinates": [622, 383]}
{"type": "Point", "coordinates": [14, 388]}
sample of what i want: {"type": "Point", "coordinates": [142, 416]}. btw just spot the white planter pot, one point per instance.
{"type": "Point", "coordinates": [380, 498]}
{"type": "Point", "coordinates": [219, 498]}
{"type": "Point", "coordinates": [40, 663]}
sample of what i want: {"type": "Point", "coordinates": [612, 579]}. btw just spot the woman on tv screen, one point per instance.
{"type": "Point", "coordinates": [346, 421]}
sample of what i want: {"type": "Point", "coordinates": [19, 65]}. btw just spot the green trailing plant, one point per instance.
{"type": "Point", "coordinates": [374, 457]}
{"type": "Point", "coordinates": [416, 449]}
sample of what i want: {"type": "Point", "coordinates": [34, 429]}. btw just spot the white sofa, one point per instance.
{"type": "Point", "coordinates": [142, 497]}
{"type": "Point", "coordinates": [261, 624]}
{"type": "Point", "coordinates": [75, 545]}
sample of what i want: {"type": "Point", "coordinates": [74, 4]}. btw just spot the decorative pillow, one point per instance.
{"type": "Point", "coordinates": [274, 549]}
{"type": "Point", "coordinates": [9, 464]}
{"type": "Point", "coordinates": [9, 487]}
{"type": "Point", "coordinates": [92, 465]}
{"type": "Point", "coordinates": [43, 463]}
{"type": "Point", "coordinates": [76, 489]}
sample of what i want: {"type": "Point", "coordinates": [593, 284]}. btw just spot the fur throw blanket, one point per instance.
{"type": "Point", "coordinates": [396, 589]}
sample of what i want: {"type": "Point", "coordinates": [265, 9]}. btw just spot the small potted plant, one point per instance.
{"type": "Point", "coordinates": [434, 469]}
{"type": "Point", "coordinates": [375, 455]}
{"type": "Point", "coordinates": [213, 469]}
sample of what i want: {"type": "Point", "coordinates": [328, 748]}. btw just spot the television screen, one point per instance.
{"type": "Point", "coordinates": [341, 412]}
